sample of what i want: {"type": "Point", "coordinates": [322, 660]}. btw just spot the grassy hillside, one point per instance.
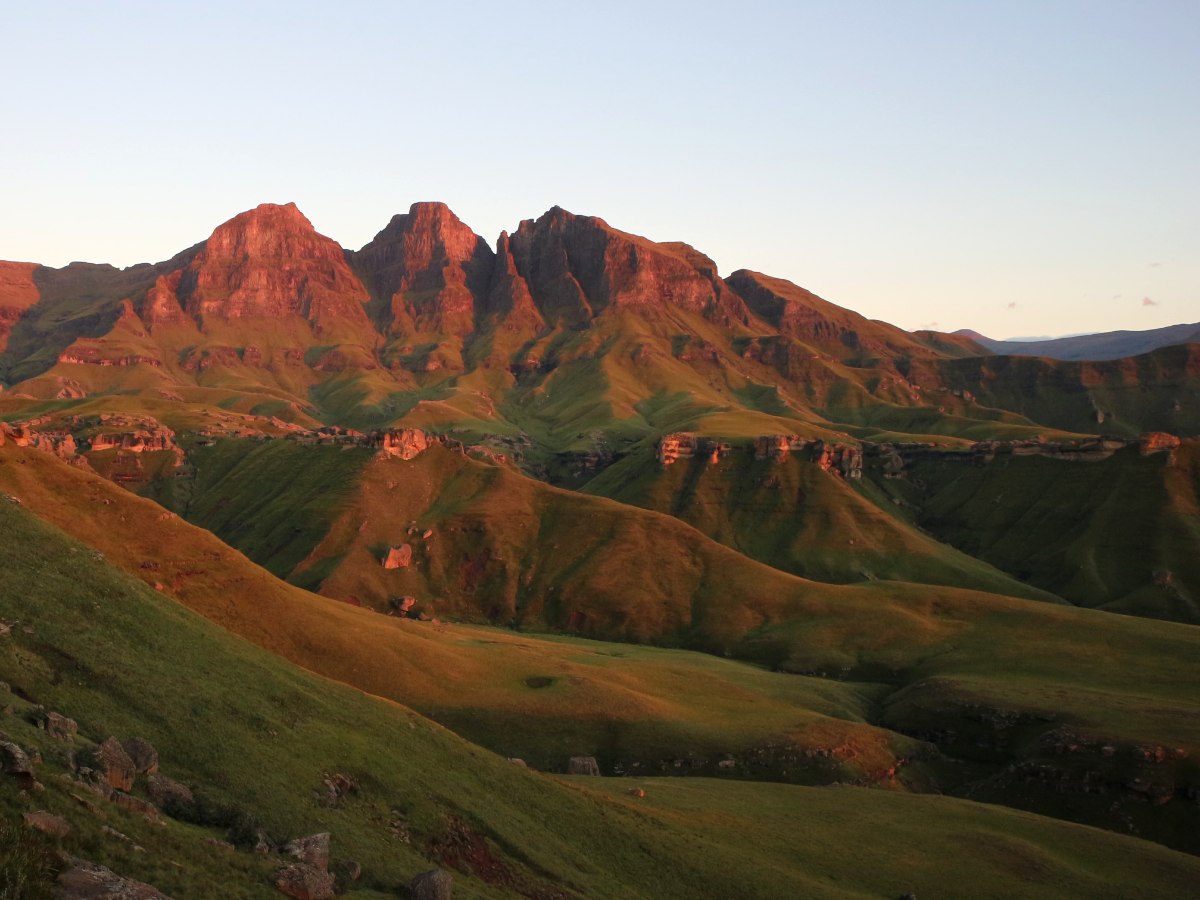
{"type": "Point", "coordinates": [255, 737]}
{"type": "Point", "coordinates": [795, 517]}
{"type": "Point", "coordinates": [1120, 534]}
{"type": "Point", "coordinates": [997, 685]}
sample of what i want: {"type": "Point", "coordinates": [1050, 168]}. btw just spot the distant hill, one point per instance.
{"type": "Point", "coordinates": [1106, 345]}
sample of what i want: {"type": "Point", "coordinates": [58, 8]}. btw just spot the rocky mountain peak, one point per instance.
{"type": "Point", "coordinates": [427, 269]}
{"type": "Point", "coordinates": [269, 230]}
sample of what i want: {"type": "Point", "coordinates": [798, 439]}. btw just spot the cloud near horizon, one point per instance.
{"type": "Point", "coordinates": [1011, 305]}
{"type": "Point", "coordinates": [1146, 301]}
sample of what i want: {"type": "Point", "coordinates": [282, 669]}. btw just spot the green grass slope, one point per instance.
{"type": "Point", "coordinates": [1119, 534]}
{"type": "Point", "coordinates": [255, 736]}
{"type": "Point", "coordinates": [1000, 687]}
{"type": "Point", "coordinates": [795, 517]}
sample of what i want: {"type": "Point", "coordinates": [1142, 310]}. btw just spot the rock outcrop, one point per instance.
{"type": "Point", "coordinates": [430, 270]}
{"type": "Point", "coordinates": [578, 267]}
{"type": "Point", "coordinates": [312, 850]}
{"type": "Point", "coordinates": [83, 880]}
{"type": "Point", "coordinates": [1157, 442]}
{"type": "Point", "coordinates": [113, 764]}
{"type": "Point", "coordinates": [402, 443]}
{"type": "Point", "coordinates": [685, 445]}
{"type": "Point", "coordinates": [843, 460]}
{"type": "Point", "coordinates": [47, 823]}
{"type": "Point", "coordinates": [398, 556]}
{"type": "Point", "coordinates": [583, 765]}
{"type": "Point", "coordinates": [436, 884]}
{"type": "Point", "coordinates": [142, 754]}
{"type": "Point", "coordinates": [265, 263]}
{"type": "Point", "coordinates": [18, 292]}
{"type": "Point", "coordinates": [15, 763]}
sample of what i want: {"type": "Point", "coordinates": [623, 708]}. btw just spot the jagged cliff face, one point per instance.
{"type": "Point", "coordinates": [267, 263]}
{"type": "Point", "coordinates": [578, 267]}
{"type": "Point", "coordinates": [18, 292]}
{"type": "Point", "coordinates": [428, 270]}
{"type": "Point", "coordinates": [570, 329]}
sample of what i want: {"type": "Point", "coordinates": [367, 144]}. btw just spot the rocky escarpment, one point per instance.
{"type": "Point", "coordinates": [18, 293]}
{"type": "Point", "coordinates": [578, 267]}
{"type": "Point", "coordinates": [110, 444]}
{"type": "Point", "coordinates": [427, 272]}
{"type": "Point", "coordinates": [266, 263]}
{"type": "Point", "coordinates": [893, 457]}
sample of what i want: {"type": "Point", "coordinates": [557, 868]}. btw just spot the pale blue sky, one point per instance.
{"type": "Point", "coordinates": [1016, 167]}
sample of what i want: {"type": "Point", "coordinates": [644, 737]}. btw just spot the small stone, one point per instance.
{"type": "Point", "coordinates": [354, 870]}
{"type": "Point", "coordinates": [637, 792]}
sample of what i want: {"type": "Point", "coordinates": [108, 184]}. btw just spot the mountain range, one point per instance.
{"type": "Point", "coordinates": [576, 496]}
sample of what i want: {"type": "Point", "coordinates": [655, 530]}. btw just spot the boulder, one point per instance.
{"type": "Point", "coordinates": [111, 760]}
{"type": "Point", "coordinates": [1157, 442]}
{"type": "Point", "coordinates": [48, 822]}
{"type": "Point", "coordinates": [436, 884]}
{"type": "Point", "coordinates": [583, 765]}
{"type": "Point", "coordinates": [403, 443]}
{"type": "Point", "coordinates": [304, 882]}
{"type": "Point", "coordinates": [134, 804]}
{"type": "Point", "coordinates": [164, 790]}
{"type": "Point", "coordinates": [398, 556]}
{"type": "Point", "coordinates": [83, 880]}
{"type": "Point", "coordinates": [60, 727]}
{"type": "Point", "coordinates": [403, 605]}
{"type": "Point", "coordinates": [312, 850]}
{"type": "Point", "coordinates": [16, 762]}
{"type": "Point", "coordinates": [142, 753]}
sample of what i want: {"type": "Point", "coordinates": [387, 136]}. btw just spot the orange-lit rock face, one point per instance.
{"type": "Point", "coordinates": [404, 443]}
{"type": "Point", "coordinates": [18, 292]}
{"type": "Point", "coordinates": [579, 266]}
{"type": "Point", "coordinates": [432, 270]}
{"type": "Point", "coordinates": [398, 556]}
{"type": "Point", "coordinates": [162, 306]}
{"type": "Point", "coordinates": [1157, 442]}
{"type": "Point", "coordinates": [265, 263]}
{"type": "Point", "coordinates": [508, 293]}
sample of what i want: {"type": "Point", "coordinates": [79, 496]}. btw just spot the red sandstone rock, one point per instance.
{"type": "Point", "coordinates": [1157, 442]}
{"type": "Point", "coordinates": [430, 269]}
{"type": "Point", "coordinates": [18, 293]}
{"type": "Point", "coordinates": [398, 556]}
{"type": "Point", "coordinates": [404, 443]}
{"type": "Point", "coordinates": [304, 882]}
{"type": "Point", "coordinates": [114, 763]}
{"type": "Point", "coordinates": [265, 263]}
{"type": "Point", "coordinates": [577, 267]}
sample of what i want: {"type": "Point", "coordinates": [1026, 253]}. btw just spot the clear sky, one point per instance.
{"type": "Point", "coordinates": [1021, 168]}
